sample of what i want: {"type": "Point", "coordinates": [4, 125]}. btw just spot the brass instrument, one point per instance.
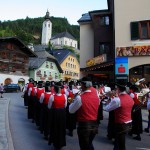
{"type": "Point", "coordinates": [142, 95]}
{"type": "Point", "coordinates": [75, 92]}
{"type": "Point", "coordinates": [109, 95]}
{"type": "Point", "coordinates": [70, 99]}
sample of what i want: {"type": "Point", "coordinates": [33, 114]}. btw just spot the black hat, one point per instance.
{"type": "Point", "coordinates": [134, 88]}
{"type": "Point", "coordinates": [120, 87]}
{"type": "Point", "coordinates": [31, 80]}
{"type": "Point", "coordinates": [48, 83]}
{"type": "Point", "coordinates": [40, 83]}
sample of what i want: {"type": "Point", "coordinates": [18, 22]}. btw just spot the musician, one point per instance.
{"type": "Point", "coordinates": [27, 87]}
{"type": "Point", "coordinates": [86, 105]}
{"type": "Point", "coordinates": [57, 107]}
{"type": "Point", "coordinates": [40, 89]}
{"type": "Point", "coordinates": [111, 120]}
{"type": "Point", "coordinates": [70, 118]}
{"type": "Point", "coordinates": [148, 108]}
{"type": "Point", "coordinates": [44, 124]}
{"type": "Point", "coordinates": [31, 94]}
{"type": "Point", "coordinates": [100, 109]}
{"type": "Point", "coordinates": [122, 106]}
{"type": "Point", "coordinates": [137, 127]}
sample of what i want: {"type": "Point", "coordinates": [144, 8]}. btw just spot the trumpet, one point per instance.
{"type": "Point", "coordinates": [75, 92]}
{"type": "Point", "coordinates": [112, 94]}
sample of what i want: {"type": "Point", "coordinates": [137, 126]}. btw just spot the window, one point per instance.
{"type": "Point", "coordinates": [49, 25]}
{"type": "Point", "coordinates": [104, 48]}
{"type": "Point", "coordinates": [144, 27]}
{"type": "Point", "coordinates": [104, 21]}
{"type": "Point", "coordinates": [140, 30]}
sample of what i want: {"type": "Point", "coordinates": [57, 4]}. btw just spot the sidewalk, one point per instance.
{"type": "Point", "coordinates": [5, 135]}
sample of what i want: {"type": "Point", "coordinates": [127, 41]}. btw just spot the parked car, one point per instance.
{"type": "Point", "coordinates": [11, 88]}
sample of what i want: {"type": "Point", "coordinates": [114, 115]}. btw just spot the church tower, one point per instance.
{"type": "Point", "coordinates": [46, 30]}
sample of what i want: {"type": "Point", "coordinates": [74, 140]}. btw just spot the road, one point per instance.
{"type": "Point", "coordinates": [25, 135]}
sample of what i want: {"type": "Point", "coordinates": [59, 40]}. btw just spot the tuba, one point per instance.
{"type": "Point", "coordinates": [144, 90]}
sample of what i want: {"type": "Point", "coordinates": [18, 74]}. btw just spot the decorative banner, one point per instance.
{"type": "Point", "coordinates": [121, 65]}
{"type": "Point", "coordinates": [96, 60]}
{"type": "Point", "coordinates": [133, 51]}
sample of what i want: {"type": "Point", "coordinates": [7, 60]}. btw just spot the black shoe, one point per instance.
{"type": "Point", "coordinates": [146, 130]}
{"type": "Point", "coordinates": [45, 137]}
{"type": "Point", "coordinates": [137, 138]}
{"type": "Point", "coordinates": [70, 133]}
{"type": "Point", "coordinates": [130, 133]}
{"type": "Point", "coordinates": [109, 137]}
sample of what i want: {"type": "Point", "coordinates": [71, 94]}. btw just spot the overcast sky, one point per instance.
{"type": "Point", "coordinates": [70, 9]}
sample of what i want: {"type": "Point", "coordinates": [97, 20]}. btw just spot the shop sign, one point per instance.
{"type": "Point", "coordinates": [96, 60]}
{"type": "Point", "coordinates": [121, 65]}
{"type": "Point", "coordinates": [133, 51]}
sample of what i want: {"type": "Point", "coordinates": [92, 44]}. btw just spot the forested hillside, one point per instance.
{"type": "Point", "coordinates": [29, 30]}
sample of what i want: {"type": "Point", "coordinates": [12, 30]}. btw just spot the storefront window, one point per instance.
{"type": "Point", "coordinates": [135, 74]}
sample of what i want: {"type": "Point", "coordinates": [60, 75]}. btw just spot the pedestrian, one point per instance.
{"type": "Point", "coordinates": [1, 90]}
{"type": "Point", "coordinates": [122, 105]}
{"type": "Point", "coordinates": [57, 118]}
{"type": "Point", "coordinates": [86, 105]}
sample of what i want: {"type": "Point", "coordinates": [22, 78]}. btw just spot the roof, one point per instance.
{"type": "Point", "coordinates": [43, 56]}
{"type": "Point", "coordinates": [87, 17]}
{"type": "Point", "coordinates": [62, 54]}
{"type": "Point", "coordinates": [63, 34]}
{"type": "Point", "coordinates": [18, 42]}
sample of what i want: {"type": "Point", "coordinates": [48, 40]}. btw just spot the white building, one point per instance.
{"type": "Point", "coordinates": [64, 39]}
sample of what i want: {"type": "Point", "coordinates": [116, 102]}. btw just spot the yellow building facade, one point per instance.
{"type": "Point", "coordinates": [71, 68]}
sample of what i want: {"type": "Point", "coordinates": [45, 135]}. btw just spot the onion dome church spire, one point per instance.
{"type": "Point", "coordinates": [46, 29]}
{"type": "Point", "coordinates": [47, 15]}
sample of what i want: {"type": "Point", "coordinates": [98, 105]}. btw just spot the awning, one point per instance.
{"type": "Point", "coordinates": [102, 66]}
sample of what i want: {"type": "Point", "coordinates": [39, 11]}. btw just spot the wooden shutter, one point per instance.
{"type": "Point", "coordinates": [134, 28]}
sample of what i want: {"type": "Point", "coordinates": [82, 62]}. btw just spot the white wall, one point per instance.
{"type": "Point", "coordinates": [86, 44]}
{"type": "Point", "coordinates": [46, 32]}
{"type": "Point", "coordinates": [14, 78]}
{"type": "Point", "coordinates": [127, 11]}
{"type": "Point", "coordinates": [63, 40]}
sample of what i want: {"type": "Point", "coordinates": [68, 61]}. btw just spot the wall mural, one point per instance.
{"type": "Point", "coordinates": [133, 51]}
{"type": "Point", "coordinates": [48, 72]}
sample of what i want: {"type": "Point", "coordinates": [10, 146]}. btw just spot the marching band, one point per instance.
{"type": "Point", "coordinates": [57, 106]}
